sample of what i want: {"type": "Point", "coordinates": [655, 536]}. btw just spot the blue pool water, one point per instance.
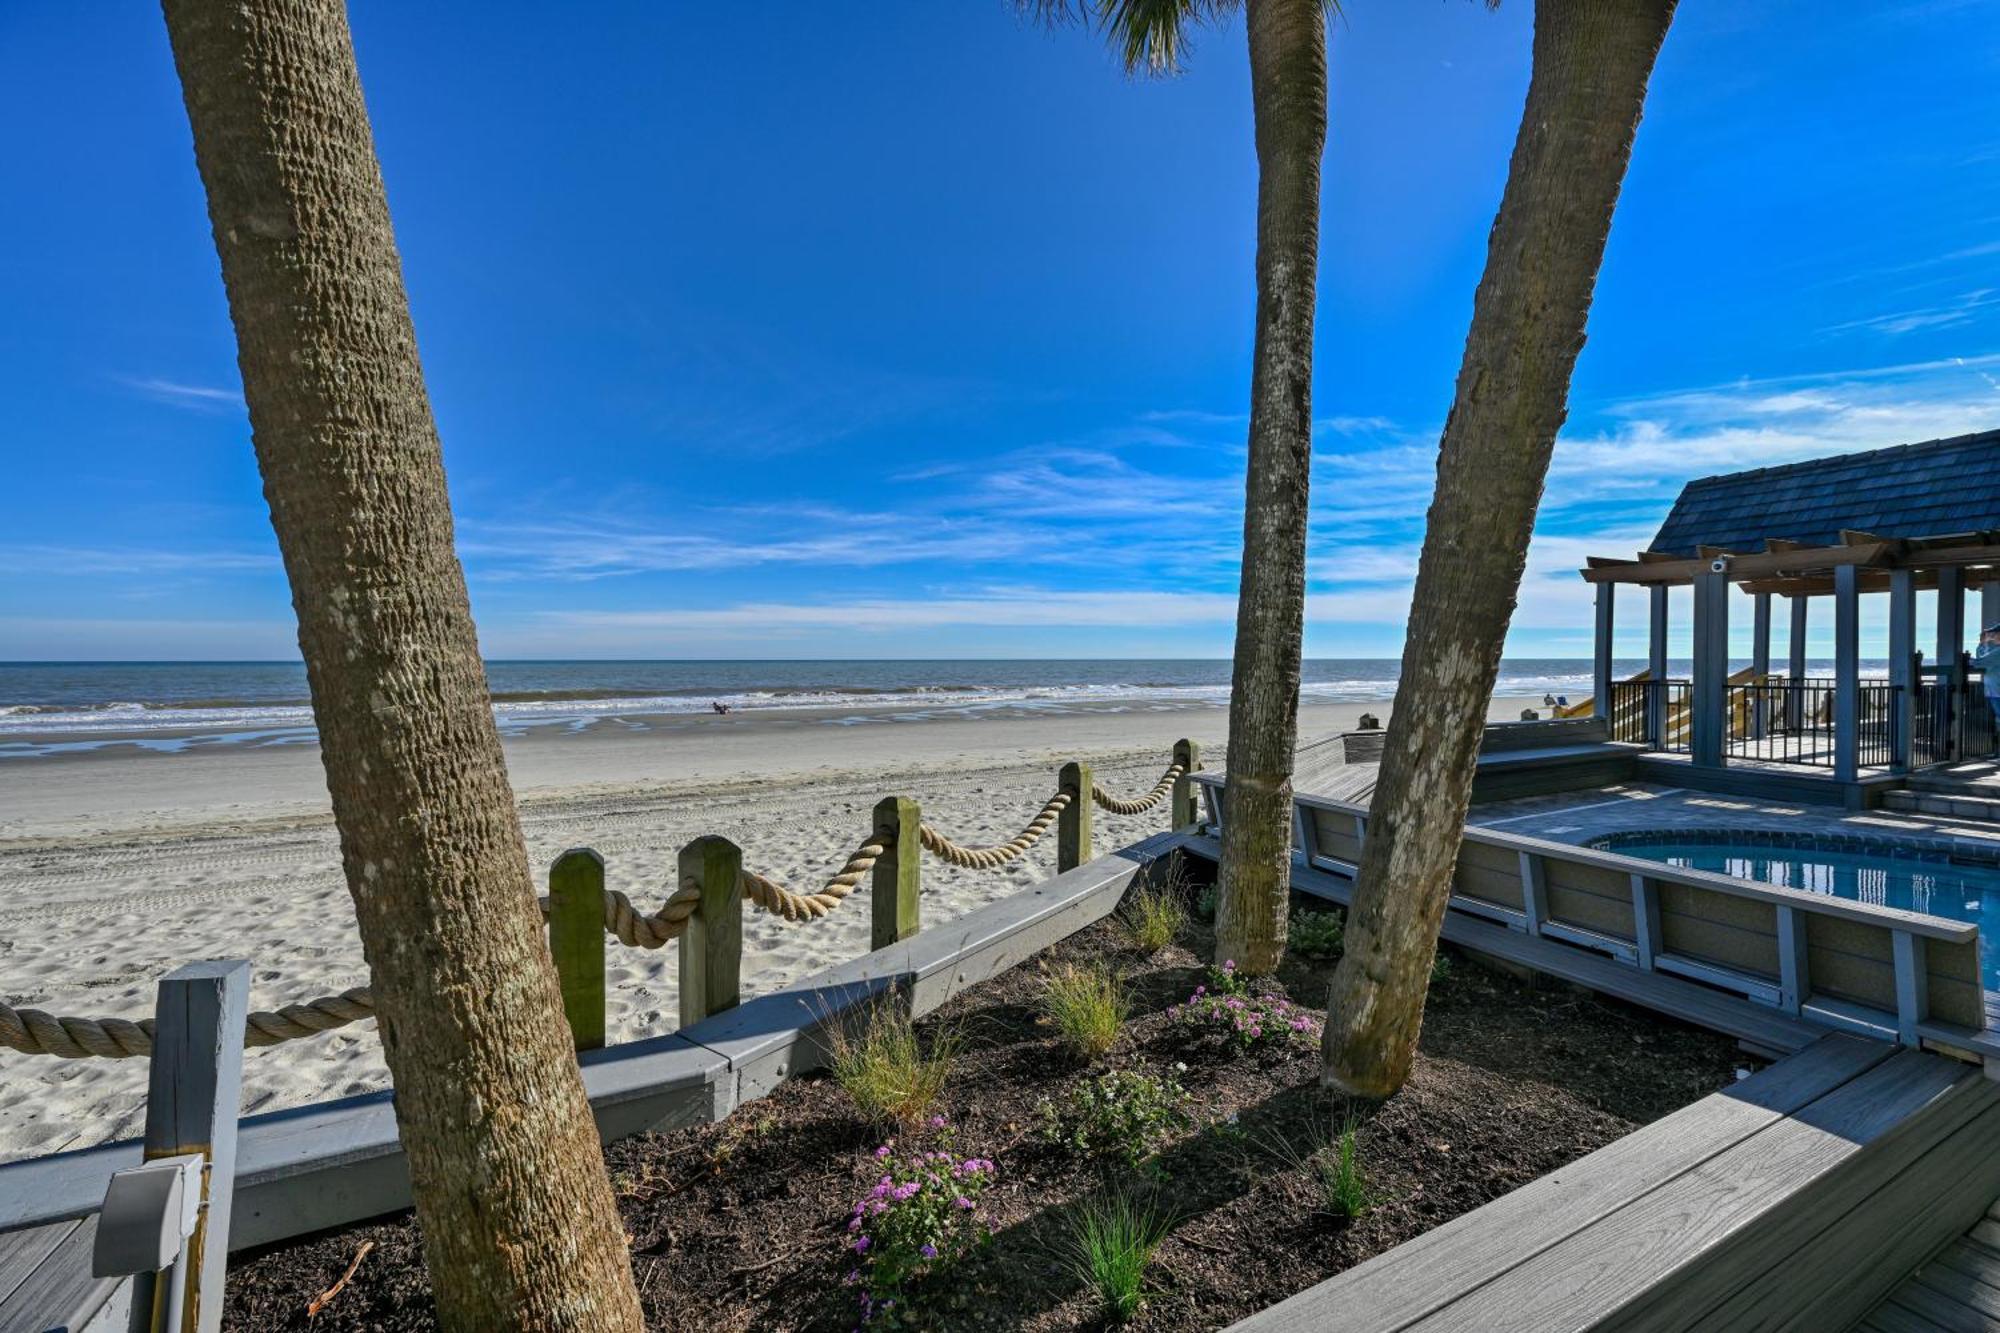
{"type": "Point", "coordinates": [1913, 880]}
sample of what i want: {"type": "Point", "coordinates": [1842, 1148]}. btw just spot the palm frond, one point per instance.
{"type": "Point", "coordinates": [1151, 36]}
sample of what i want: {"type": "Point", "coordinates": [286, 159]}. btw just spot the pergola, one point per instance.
{"type": "Point", "coordinates": [1915, 519]}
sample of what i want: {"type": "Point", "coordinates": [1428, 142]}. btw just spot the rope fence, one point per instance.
{"type": "Point", "coordinates": [582, 911]}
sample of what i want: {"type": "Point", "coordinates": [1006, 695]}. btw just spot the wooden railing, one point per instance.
{"type": "Point", "coordinates": [1843, 964]}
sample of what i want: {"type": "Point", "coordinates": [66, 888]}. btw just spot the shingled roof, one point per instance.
{"type": "Point", "coordinates": [1913, 490]}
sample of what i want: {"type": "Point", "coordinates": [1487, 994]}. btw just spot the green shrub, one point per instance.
{"type": "Point", "coordinates": [1153, 916]}
{"type": "Point", "coordinates": [1126, 1114]}
{"type": "Point", "coordinates": [1086, 1006]}
{"type": "Point", "coordinates": [1204, 903]}
{"type": "Point", "coordinates": [1440, 967]}
{"type": "Point", "coordinates": [1315, 936]}
{"type": "Point", "coordinates": [1111, 1245]}
{"type": "Point", "coordinates": [886, 1069]}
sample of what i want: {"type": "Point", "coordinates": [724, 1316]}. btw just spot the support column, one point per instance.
{"type": "Point", "coordinates": [1950, 619]}
{"type": "Point", "coordinates": [1760, 664]}
{"type": "Point", "coordinates": [1607, 594]}
{"type": "Point", "coordinates": [1902, 665]}
{"type": "Point", "coordinates": [1846, 672]}
{"type": "Point", "coordinates": [1656, 666]}
{"type": "Point", "coordinates": [1709, 724]}
{"type": "Point", "coordinates": [1989, 602]}
{"type": "Point", "coordinates": [1795, 695]}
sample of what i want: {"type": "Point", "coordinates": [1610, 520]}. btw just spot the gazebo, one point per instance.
{"type": "Point", "coordinates": [1915, 520]}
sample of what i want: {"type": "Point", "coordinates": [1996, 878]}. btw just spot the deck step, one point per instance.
{"type": "Point", "coordinates": [1957, 1287]}
{"type": "Point", "coordinates": [1943, 805]}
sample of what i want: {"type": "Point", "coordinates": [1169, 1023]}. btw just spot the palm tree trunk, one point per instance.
{"type": "Point", "coordinates": [1592, 59]}
{"type": "Point", "coordinates": [1288, 89]}
{"type": "Point", "coordinates": [520, 1228]}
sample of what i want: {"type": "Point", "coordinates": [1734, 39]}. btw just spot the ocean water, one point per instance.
{"type": "Point", "coordinates": [48, 707]}
{"type": "Point", "coordinates": [73, 697]}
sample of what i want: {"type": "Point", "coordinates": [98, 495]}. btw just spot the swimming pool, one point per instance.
{"type": "Point", "coordinates": [1910, 876]}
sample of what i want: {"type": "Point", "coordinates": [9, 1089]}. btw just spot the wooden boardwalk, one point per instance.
{"type": "Point", "coordinates": [1957, 1291]}
{"type": "Point", "coordinates": [1795, 1200]}
{"type": "Point", "coordinates": [45, 1279]}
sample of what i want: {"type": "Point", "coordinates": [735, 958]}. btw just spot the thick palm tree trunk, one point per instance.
{"type": "Point", "coordinates": [1288, 89]}
{"type": "Point", "coordinates": [1592, 59]}
{"type": "Point", "coordinates": [519, 1225]}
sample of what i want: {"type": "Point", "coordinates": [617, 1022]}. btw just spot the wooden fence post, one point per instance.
{"type": "Point", "coordinates": [192, 1091]}
{"type": "Point", "coordinates": [898, 872]}
{"type": "Point", "coordinates": [1073, 824]}
{"type": "Point", "coordinates": [1188, 755]}
{"type": "Point", "coordinates": [576, 939]}
{"type": "Point", "coordinates": [712, 944]}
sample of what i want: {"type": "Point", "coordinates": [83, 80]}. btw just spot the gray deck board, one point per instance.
{"type": "Point", "coordinates": [1940, 1310]}
{"type": "Point", "coordinates": [1405, 1284]}
{"type": "Point", "coordinates": [1974, 1260]}
{"type": "Point", "coordinates": [1954, 1285]}
{"type": "Point", "coordinates": [1695, 1233]}
{"type": "Point", "coordinates": [60, 1292]}
{"type": "Point", "coordinates": [21, 1252]}
{"type": "Point", "coordinates": [1854, 1242]}
{"type": "Point", "coordinates": [1892, 1318]}
{"type": "Point", "coordinates": [1958, 1287]}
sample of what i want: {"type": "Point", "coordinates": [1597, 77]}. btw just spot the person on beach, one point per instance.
{"type": "Point", "coordinates": [721, 708]}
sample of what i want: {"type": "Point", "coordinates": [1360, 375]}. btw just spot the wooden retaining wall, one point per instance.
{"type": "Point", "coordinates": [1842, 964]}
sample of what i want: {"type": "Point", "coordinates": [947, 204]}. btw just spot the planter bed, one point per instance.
{"type": "Point", "coordinates": [744, 1224]}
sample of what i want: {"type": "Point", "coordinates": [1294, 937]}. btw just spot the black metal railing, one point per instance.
{"type": "Point", "coordinates": [1653, 713]}
{"type": "Point", "coordinates": [1876, 725]}
{"type": "Point", "coordinates": [1954, 722]}
{"type": "Point", "coordinates": [1781, 720]}
{"type": "Point", "coordinates": [1785, 721]}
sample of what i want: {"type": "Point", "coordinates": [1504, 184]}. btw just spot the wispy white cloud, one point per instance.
{"type": "Point", "coordinates": [88, 561]}
{"type": "Point", "coordinates": [1959, 311]}
{"type": "Point", "coordinates": [194, 397]}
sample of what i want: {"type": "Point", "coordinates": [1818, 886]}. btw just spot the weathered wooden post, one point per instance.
{"type": "Point", "coordinates": [1188, 755]}
{"type": "Point", "coordinates": [1073, 824]}
{"type": "Point", "coordinates": [576, 939]}
{"type": "Point", "coordinates": [898, 871]}
{"type": "Point", "coordinates": [712, 945]}
{"type": "Point", "coordinates": [192, 1089]}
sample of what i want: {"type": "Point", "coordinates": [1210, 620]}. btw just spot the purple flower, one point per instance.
{"type": "Point", "coordinates": [882, 1151]}
{"type": "Point", "coordinates": [962, 1202]}
{"type": "Point", "coordinates": [861, 1244]}
{"type": "Point", "coordinates": [928, 1251]}
{"type": "Point", "coordinates": [937, 1122]}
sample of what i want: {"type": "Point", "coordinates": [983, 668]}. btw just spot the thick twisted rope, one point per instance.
{"type": "Point", "coordinates": [1144, 803]}
{"type": "Point", "coordinates": [33, 1032]}
{"type": "Point", "coordinates": [1000, 853]}
{"type": "Point", "coordinates": [778, 900]}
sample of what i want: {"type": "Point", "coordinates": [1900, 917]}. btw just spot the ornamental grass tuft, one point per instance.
{"type": "Point", "coordinates": [1153, 917]}
{"type": "Point", "coordinates": [892, 1074]}
{"type": "Point", "coordinates": [1086, 1006]}
{"type": "Point", "coordinates": [1112, 1242]}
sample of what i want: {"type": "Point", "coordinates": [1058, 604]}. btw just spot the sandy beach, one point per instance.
{"type": "Point", "coordinates": [118, 865]}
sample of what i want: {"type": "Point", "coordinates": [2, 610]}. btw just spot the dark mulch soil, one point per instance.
{"type": "Point", "coordinates": [740, 1225]}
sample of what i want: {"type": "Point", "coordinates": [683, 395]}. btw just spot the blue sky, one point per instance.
{"type": "Point", "coordinates": [910, 329]}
